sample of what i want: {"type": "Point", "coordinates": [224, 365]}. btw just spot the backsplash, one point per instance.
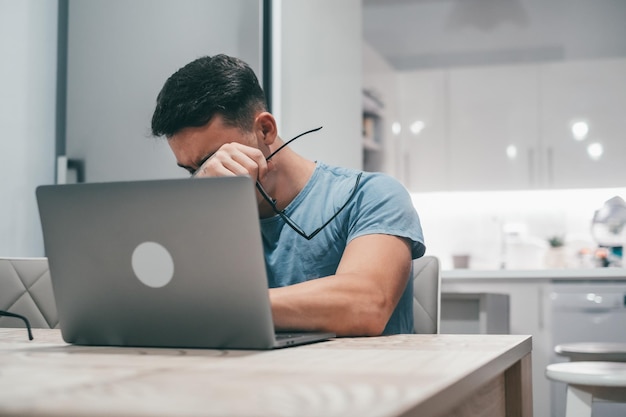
{"type": "Point", "coordinates": [511, 229]}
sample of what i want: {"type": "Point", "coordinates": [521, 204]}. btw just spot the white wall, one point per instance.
{"type": "Point", "coordinates": [317, 77]}
{"type": "Point", "coordinates": [320, 84]}
{"type": "Point", "coordinates": [479, 223]}
{"type": "Point", "coordinates": [451, 33]}
{"type": "Point", "coordinates": [119, 55]}
{"type": "Point", "coordinates": [28, 39]}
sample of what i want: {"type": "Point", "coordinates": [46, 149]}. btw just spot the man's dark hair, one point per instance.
{"type": "Point", "coordinates": [205, 87]}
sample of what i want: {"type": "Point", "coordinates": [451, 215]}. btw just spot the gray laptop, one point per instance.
{"type": "Point", "coordinates": [162, 263]}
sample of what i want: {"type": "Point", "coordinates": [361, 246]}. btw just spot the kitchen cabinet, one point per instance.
{"type": "Point", "coordinates": [586, 312]}
{"type": "Point", "coordinates": [474, 313]}
{"type": "Point", "coordinates": [593, 92]}
{"type": "Point", "coordinates": [493, 127]}
{"type": "Point", "coordinates": [480, 128]}
{"type": "Point", "coordinates": [422, 111]}
{"type": "Point", "coordinates": [527, 303]}
{"type": "Point", "coordinates": [510, 127]}
{"type": "Point", "coordinates": [531, 296]}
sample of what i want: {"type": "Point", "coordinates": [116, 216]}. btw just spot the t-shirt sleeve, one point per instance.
{"type": "Point", "coordinates": [384, 206]}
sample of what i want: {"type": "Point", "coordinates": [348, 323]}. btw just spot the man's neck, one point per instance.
{"type": "Point", "coordinates": [290, 174]}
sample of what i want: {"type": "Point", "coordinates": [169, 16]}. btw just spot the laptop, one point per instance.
{"type": "Point", "coordinates": [161, 263]}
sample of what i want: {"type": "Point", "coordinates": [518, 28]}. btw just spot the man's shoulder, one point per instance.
{"type": "Point", "coordinates": [368, 179]}
{"type": "Point", "coordinates": [383, 185]}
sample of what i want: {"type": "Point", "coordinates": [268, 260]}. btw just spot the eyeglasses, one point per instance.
{"type": "Point", "coordinates": [272, 202]}
{"type": "Point", "coordinates": [18, 316]}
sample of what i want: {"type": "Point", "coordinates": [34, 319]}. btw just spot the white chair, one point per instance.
{"type": "Point", "coordinates": [592, 351]}
{"type": "Point", "coordinates": [589, 381]}
{"type": "Point", "coordinates": [586, 352]}
{"type": "Point", "coordinates": [26, 289]}
{"type": "Point", "coordinates": [426, 295]}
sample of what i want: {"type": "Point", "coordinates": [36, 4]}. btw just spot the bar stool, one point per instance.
{"type": "Point", "coordinates": [612, 352]}
{"type": "Point", "coordinates": [588, 381]}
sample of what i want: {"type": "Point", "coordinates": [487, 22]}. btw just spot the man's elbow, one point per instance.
{"type": "Point", "coordinates": [374, 328]}
{"type": "Point", "coordinates": [374, 316]}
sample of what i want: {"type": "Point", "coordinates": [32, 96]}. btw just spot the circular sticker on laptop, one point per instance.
{"type": "Point", "coordinates": [152, 264]}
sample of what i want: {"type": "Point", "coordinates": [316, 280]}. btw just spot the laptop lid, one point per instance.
{"type": "Point", "coordinates": [161, 263]}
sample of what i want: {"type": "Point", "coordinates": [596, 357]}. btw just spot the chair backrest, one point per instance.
{"type": "Point", "coordinates": [26, 289]}
{"type": "Point", "coordinates": [426, 295]}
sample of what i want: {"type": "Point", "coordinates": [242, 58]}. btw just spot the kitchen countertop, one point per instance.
{"type": "Point", "coordinates": [540, 274]}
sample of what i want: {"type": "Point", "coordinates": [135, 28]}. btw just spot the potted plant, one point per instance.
{"type": "Point", "coordinates": [555, 256]}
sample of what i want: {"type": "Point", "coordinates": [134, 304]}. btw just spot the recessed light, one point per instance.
{"type": "Point", "coordinates": [417, 126]}
{"type": "Point", "coordinates": [580, 130]}
{"type": "Point", "coordinates": [511, 151]}
{"type": "Point", "coordinates": [595, 150]}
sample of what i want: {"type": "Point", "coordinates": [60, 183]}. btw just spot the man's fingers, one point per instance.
{"type": "Point", "coordinates": [235, 159]}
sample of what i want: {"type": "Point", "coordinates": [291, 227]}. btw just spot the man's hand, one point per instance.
{"type": "Point", "coordinates": [235, 159]}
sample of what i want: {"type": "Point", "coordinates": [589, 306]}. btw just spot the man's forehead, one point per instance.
{"type": "Point", "coordinates": [193, 145]}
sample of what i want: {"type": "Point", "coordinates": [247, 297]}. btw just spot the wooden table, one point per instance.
{"type": "Point", "coordinates": [404, 375]}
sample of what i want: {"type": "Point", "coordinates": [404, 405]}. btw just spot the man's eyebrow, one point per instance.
{"type": "Point", "coordinates": [199, 164]}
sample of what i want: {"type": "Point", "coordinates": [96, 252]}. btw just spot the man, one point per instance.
{"type": "Point", "coordinates": [338, 243]}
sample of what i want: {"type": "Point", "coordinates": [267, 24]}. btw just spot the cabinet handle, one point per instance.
{"type": "Point", "coordinates": [531, 166]}
{"type": "Point", "coordinates": [65, 164]}
{"type": "Point", "coordinates": [550, 166]}
{"type": "Point", "coordinates": [540, 295]}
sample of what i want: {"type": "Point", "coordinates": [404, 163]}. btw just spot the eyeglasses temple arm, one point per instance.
{"type": "Point", "coordinates": [291, 140]}
{"type": "Point", "coordinates": [18, 316]}
{"type": "Point", "coordinates": [265, 195]}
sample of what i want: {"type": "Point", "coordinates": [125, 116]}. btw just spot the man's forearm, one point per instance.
{"type": "Point", "coordinates": [342, 304]}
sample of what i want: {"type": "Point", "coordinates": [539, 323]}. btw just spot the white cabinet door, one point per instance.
{"type": "Point", "coordinates": [528, 301]}
{"type": "Point", "coordinates": [493, 128]}
{"type": "Point", "coordinates": [588, 91]}
{"type": "Point", "coordinates": [423, 136]}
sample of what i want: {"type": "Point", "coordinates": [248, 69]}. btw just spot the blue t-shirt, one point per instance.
{"type": "Point", "coordinates": [380, 205]}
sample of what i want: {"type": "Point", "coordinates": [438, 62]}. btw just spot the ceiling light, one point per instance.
{"type": "Point", "coordinates": [511, 151]}
{"type": "Point", "coordinates": [595, 151]}
{"type": "Point", "coordinates": [417, 126]}
{"type": "Point", "coordinates": [580, 130]}
{"type": "Point", "coordinates": [396, 128]}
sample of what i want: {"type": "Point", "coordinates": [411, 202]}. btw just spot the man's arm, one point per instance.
{"type": "Point", "coordinates": [358, 300]}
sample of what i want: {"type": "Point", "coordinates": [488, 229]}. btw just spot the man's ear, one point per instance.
{"type": "Point", "coordinates": [265, 128]}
